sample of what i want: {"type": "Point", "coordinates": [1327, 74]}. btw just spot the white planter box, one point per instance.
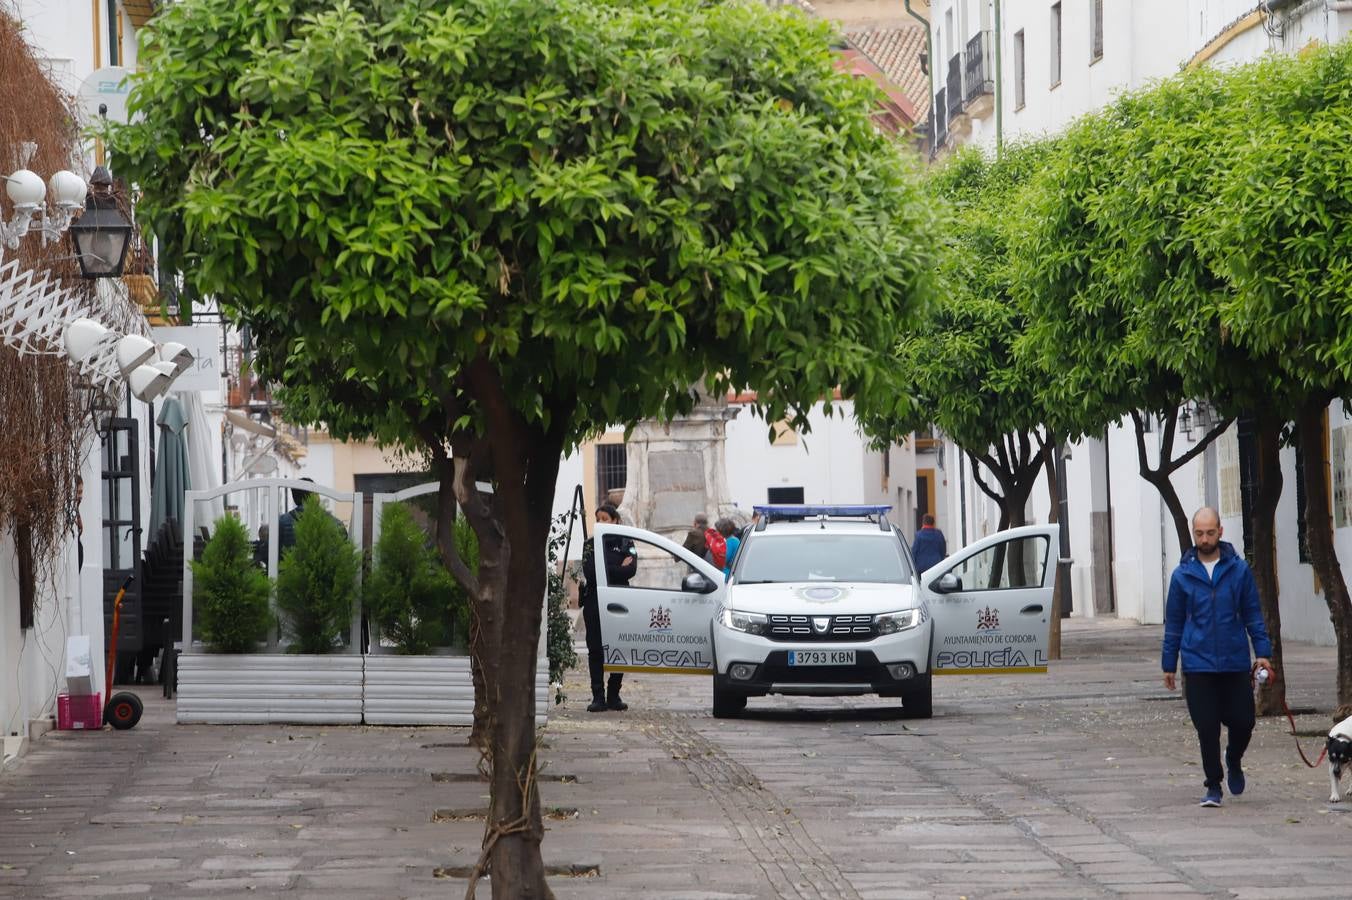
{"type": "Point", "coordinates": [257, 688]}
{"type": "Point", "coordinates": [338, 689]}
{"type": "Point", "coordinates": [430, 690]}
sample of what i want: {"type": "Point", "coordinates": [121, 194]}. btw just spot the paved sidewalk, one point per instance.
{"type": "Point", "coordinates": [1082, 783]}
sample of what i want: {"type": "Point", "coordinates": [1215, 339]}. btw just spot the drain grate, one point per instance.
{"type": "Point", "coordinates": [566, 870]}
{"type": "Point", "coordinates": [467, 777]}
{"type": "Point", "coordinates": [372, 770]}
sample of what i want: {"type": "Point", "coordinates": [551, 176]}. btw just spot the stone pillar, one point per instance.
{"type": "Point", "coordinates": [678, 469]}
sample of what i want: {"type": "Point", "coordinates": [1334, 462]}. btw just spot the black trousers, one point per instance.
{"type": "Point", "coordinates": [1216, 699]}
{"type": "Point", "coordinates": [591, 617]}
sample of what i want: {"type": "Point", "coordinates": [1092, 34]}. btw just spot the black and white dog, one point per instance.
{"type": "Point", "coordinates": [1340, 757]}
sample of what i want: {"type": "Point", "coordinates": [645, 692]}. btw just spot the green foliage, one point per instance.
{"type": "Point", "coordinates": [959, 362]}
{"type": "Point", "coordinates": [1125, 304]}
{"type": "Point", "coordinates": [596, 202]}
{"type": "Point", "coordinates": [317, 581]}
{"type": "Point", "coordinates": [559, 637]}
{"type": "Point", "coordinates": [410, 596]}
{"type": "Point", "coordinates": [1278, 225]}
{"type": "Point", "coordinates": [230, 594]}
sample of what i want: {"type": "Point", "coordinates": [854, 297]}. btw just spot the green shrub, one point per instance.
{"type": "Point", "coordinates": [559, 636]}
{"type": "Point", "coordinates": [410, 596]}
{"type": "Point", "coordinates": [317, 581]}
{"type": "Point", "coordinates": [230, 593]}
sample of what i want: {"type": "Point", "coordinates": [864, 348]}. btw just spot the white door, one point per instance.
{"type": "Point", "coordinates": [991, 603]}
{"type": "Point", "coordinates": [660, 620]}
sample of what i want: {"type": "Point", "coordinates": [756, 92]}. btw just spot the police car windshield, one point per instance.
{"type": "Point", "coordinates": [856, 557]}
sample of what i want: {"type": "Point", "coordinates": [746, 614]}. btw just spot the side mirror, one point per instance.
{"type": "Point", "coordinates": [948, 583]}
{"type": "Point", "coordinates": [696, 583]}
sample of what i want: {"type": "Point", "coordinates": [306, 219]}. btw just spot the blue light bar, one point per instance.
{"type": "Point", "coordinates": [805, 510]}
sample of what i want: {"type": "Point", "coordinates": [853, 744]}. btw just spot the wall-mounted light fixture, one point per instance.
{"type": "Point", "coordinates": [31, 213]}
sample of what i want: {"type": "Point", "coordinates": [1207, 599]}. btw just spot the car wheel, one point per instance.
{"type": "Point", "coordinates": [728, 704]}
{"type": "Point", "coordinates": [918, 701]}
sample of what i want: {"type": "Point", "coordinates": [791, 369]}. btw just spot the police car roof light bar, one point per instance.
{"type": "Point", "coordinates": [782, 511]}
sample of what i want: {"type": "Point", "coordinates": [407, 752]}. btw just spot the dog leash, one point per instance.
{"type": "Point", "coordinates": [1303, 757]}
{"type": "Point", "coordinates": [1254, 676]}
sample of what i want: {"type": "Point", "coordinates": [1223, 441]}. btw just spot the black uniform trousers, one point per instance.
{"type": "Point", "coordinates": [1216, 699]}
{"type": "Point", "coordinates": [591, 617]}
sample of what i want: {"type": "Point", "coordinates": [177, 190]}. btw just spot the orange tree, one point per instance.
{"type": "Point", "coordinates": [1278, 227]}
{"type": "Point", "coordinates": [503, 225]}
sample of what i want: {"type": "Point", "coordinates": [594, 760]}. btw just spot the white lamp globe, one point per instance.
{"type": "Point", "coordinates": [176, 353]}
{"type": "Point", "coordinates": [147, 382]}
{"type": "Point", "coordinates": [133, 350]}
{"type": "Point", "coordinates": [68, 190]}
{"type": "Point", "coordinates": [82, 337]}
{"type": "Point", "coordinates": [25, 188]}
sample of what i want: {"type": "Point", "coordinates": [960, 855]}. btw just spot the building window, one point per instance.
{"type": "Point", "coordinates": [784, 495]}
{"type": "Point", "coordinates": [1095, 31]}
{"type": "Point", "coordinates": [1018, 69]}
{"type": "Point", "coordinates": [1056, 44]}
{"type": "Point", "coordinates": [611, 472]}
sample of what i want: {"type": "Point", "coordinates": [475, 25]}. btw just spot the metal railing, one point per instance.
{"type": "Point", "coordinates": [978, 71]}
{"type": "Point", "coordinates": [939, 117]}
{"type": "Point", "coordinates": [954, 86]}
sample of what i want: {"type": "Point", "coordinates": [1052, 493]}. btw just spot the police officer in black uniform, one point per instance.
{"type": "Point", "coordinates": [621, 562]}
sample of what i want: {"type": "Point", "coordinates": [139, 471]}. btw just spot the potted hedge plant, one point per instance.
{"type": "Point", "coordinates": [415, 604]}
{"type": "Point", "coordinates": [410, 596]}
{"type": "Point", "coordinates": [230, 593]}
{"type": "Point", "coordinates": [317, 581]}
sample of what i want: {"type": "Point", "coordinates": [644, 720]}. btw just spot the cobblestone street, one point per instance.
{"type": "Point", "coordinates": [1080, 784]}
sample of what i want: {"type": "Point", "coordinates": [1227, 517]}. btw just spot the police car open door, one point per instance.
{"type": "Point", "coordinates": [991, 603]}
{"type": "Point", "coordinates": [659, 619]}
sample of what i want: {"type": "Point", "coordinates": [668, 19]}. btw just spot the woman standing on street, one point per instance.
{"type": "Point", "coordinates": [621, 562]}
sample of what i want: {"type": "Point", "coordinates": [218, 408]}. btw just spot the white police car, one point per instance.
{"type": "Point", "coordinates": [824, 601]}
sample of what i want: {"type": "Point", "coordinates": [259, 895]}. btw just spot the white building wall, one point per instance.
{"type": "Point", "coordinates": [32, 662]}
{"type": "Point", "coordinates": [827, 462]}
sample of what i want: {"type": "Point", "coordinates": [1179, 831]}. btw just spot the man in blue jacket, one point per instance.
{"type": "Point", "coordinates": [929, 547]}
{"type": "Point", "coordinates": [1211, 615]}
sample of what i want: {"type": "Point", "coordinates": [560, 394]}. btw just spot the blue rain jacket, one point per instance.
{"type": "Point", "coordinates": [1211, 620]}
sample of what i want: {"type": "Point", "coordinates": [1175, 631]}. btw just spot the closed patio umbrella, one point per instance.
{"type": "Point", "coordinates": [171, 468]}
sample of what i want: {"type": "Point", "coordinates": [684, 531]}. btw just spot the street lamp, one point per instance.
{"type": "Point", "coordinates": [102, 354]}
{"type": "Point", "coordinates": [28, 194]}
{"type": "Point", "coordinates": [102, 234]}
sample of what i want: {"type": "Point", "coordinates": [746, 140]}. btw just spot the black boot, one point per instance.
{"type": "Point", "coordinates": [598, 703]}
{"type": "Point", "coordinates": [613, 700]}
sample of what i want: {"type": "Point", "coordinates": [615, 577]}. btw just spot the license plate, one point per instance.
{"type": "Point", "coordinates": [821, 657]}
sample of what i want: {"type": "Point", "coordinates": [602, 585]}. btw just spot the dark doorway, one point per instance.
{"type": "Point", "coordinates": [121, 489]}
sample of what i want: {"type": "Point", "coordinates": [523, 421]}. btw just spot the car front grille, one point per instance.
{"type": "Point", "coordinates": [804, 628]}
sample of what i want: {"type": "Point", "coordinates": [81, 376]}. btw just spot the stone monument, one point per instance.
{"type": "Point", "coordinates": [678, 469]}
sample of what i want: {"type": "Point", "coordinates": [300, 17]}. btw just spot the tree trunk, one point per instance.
{"type": "Point", "coordinates": [1272, 696]}
{"type": "Point", "coordinates": [1166, 465]}
{"type": "Point", "coordinates": [450, 557]}
{"type": "Point", "coordinates": [1053, 518]}
{"type": "Point", "coordinates": [513, 530]}
{"type": "Point", "coordinates": [1319, 531]}
{"type": "Point", "coordinates": [1182, 531]}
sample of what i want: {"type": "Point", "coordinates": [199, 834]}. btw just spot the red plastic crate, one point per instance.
{"type": "Point", "coordinates": [79, 711]}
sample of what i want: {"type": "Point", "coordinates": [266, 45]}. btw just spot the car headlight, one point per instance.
{"type": "Point", "coordinates": [749, 622]}
{"type": "Point", "coordinates": [892, 622]}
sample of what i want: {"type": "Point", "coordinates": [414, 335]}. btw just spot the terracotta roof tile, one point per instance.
{"type": "Point", "coordinates": [896, 51]}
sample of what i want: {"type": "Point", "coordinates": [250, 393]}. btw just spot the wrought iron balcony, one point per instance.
{"type": "Point", "coordinates": [979, 71]}
{"type": "Point", "coordinates": [954, 86]}
{"type": "Point", "coordinates": [939, 119]}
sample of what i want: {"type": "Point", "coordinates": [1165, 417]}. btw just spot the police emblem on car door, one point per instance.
{"type": "Point", "coordinates": [659, 621]}
{"type": "Point", "coordinates": [992, 604]}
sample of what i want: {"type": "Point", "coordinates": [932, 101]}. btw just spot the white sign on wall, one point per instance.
{"type": "Point", "coordinates": [204, 343]}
